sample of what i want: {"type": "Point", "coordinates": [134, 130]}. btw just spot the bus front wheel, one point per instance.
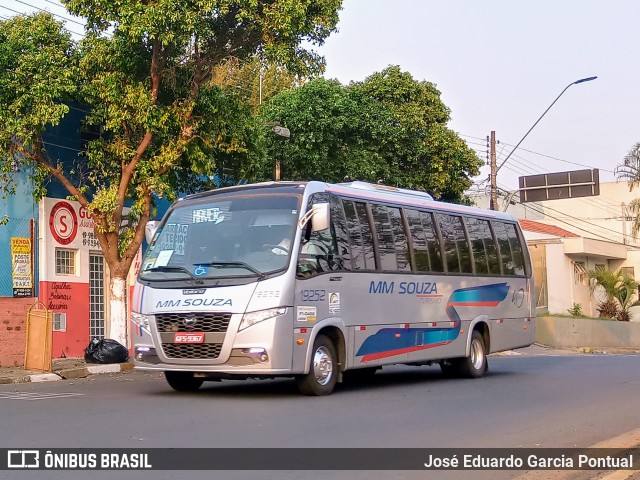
{"type": "Point", "coordinates": [323, 371]}
{"type": "Point", "coordinates": [183, 381]}
{"type": "Point", "coordinates": [475, 365]}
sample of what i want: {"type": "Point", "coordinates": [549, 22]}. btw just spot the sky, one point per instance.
{"type": "Point", "coordinates": [498, 65]}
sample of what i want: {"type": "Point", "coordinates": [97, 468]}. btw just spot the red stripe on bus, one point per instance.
{"type": "Point", "coordinates": [392, 353]}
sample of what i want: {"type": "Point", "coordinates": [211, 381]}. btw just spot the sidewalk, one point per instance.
{"type": "Point", "coordinates": [63, 368]}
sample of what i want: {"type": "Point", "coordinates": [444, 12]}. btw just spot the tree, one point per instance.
{"type": "Point", "coordinates": [333, 133]}
{"type": "Point", "coordinates": [143, 73]}
{"type": "Point", "coordinates": [253, 80]}
{"type": "Point", "coordinates": [390, 128]}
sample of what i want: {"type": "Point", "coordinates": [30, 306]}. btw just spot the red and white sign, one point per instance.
{"type": "Point", "coordinates": [63, 223]}
{"type": "Point", "coordinates": [70, 224]}
{"type": "Point", "coordinates": [192, 337]}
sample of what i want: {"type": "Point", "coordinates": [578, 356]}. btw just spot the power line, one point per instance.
{"type": "Point", "coordinates": [470, 136]}
{"type": "Point", "coordinates": [544, 213]}
{"type": "Point", "coordinates": [12, 10]}
{"type": "Point", "coordinates": [608, 239]}
{"type": "Point", "coordinates": [66, 19]}
{"type": "Point", "coordinates": [593, 200]}
{"type": "Point", "coordinates": [558, 159]}
{"type": "Point", "coordinates": [23, 13]}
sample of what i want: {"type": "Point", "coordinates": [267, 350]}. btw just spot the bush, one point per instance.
{"type": "Point", "coordinates": [624, 316]}
{"type": "Point", "coordinates": [576, 310]}
{"type": "Point", "coordinates": [608, 309]}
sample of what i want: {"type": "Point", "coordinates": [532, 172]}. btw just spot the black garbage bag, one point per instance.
{"type": "Point", "coordinates": [105, 351]}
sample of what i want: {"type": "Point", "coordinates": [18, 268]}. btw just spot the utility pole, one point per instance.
{"type": "Point", "coordinates": [493, 200]}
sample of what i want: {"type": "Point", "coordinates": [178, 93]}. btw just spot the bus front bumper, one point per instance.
{"type": "Point", "coordinates": [241, 362]}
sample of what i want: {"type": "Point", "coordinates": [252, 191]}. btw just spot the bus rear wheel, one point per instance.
{"type": "Point", "coordinates": [183, 381]}
{"type": "Point", "coordinates": [475, 365]}
{"type": "Point", "coordinates": [323, 371]}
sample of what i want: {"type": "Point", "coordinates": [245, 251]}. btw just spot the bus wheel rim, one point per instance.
{"type": "Point", "coordinates": [322, 366]}
{"type": "Point", "coordinates": [477, 354]}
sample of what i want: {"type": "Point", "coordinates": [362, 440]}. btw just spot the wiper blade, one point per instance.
{"type": "Point", "coordinates": [233, 264]}
{"type": "Point", "coordinates": [166, 268]}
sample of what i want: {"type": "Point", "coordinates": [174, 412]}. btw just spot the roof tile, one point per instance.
{"type": "Point", "coordinates": [538, 227]}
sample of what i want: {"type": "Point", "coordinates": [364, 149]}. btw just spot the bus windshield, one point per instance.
{"type": "Point", "coordinates": [223, 237]}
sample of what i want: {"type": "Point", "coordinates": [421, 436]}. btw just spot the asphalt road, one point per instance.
{"type": "Point", "coordinates": [524, 401]}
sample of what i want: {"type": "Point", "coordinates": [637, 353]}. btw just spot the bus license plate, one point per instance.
{"type": "Point", "coordinates": [192, 337]}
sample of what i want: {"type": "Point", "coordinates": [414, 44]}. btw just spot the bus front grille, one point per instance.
{"type": "Point", "coordinates": [193, 322]}
{"type": "Point", "coordinates": [192, 350]}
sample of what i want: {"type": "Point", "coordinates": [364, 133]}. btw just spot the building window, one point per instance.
{"type": "Point", "coordinates": [628, 272]}
{"type": "Point", "coordinates": [65, 262]}
{"type": "Point", "coordinates": [580, 274]}
{"type": "Point", "coordinates": [59, 322]}
{"type": "Point", "coordinates": [600, 267]}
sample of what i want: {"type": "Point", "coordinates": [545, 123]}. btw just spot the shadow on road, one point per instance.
{"type": "Point", "coordinates": [387, 378]}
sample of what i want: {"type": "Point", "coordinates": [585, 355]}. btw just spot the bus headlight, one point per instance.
{"type": "Point", "coordinates": [252, 318]}
{"type": "Point", "coordinates": [140, 319]}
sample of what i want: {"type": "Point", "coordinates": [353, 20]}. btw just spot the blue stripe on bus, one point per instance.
{"type": "Point", "coordinates": [389, 342]}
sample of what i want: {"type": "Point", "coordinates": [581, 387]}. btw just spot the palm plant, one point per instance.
{"type": "Point", "coordinates": [630, 171]}
{"type": "Point", "coordinates": [607, 281]}
{"type": "Point", "coordinates": [621, 292]}
{"type": "Point", "coordinates": [627, 296]}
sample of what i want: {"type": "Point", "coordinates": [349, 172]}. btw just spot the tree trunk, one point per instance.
{"type": "Point", "coordinates": [119, 330]}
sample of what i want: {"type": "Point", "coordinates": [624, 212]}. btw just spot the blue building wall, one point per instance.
{"type": "Point", "coordinates": [62, 143]}
{"type": "Point", "coordinates": [20, 210]}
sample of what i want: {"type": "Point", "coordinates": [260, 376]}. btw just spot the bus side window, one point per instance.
{"type": "Point", "coordinates": [342, 235]}
{"type": "Point", "coordinates": [318, 250]}
{"type": "Point", "coordinates": [506, 255]}
{"type": "Point", "coordinates": [426, 246]}
{"type": "Point", "coordinates": [485, 253]}
{"type": "Point", "coordinates": [400, 236]}
{"type": "Point", "coordinates": [355, 235]}
{"type": "Point", "coordinates": [386, 242]}
{"type": "Point", "coordinates": [458, 255]}
{"type": "Point", "coordinates": [516, 249]}
{"type": "Point", "coordinates": [367, 235]}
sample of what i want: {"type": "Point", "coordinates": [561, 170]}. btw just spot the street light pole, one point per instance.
{"type": "Point", "coordinates": [283, 132]}
{"type": "Point", "coordinates": [494, 177]}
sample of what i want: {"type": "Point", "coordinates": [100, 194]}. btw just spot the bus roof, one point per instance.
{"type": "Point", "coordinates": [359, 190]}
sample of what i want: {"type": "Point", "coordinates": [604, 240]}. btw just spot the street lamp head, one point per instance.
{"type": "Point", "coordinates": [582, 80]}
{"type": "Point", "coordinates": [282, 131]}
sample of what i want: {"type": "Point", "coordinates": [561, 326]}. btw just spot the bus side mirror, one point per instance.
{"type": "Point", "coordinates": [320, 217]}
{"type": "Point", "coordinates": [150, 230]}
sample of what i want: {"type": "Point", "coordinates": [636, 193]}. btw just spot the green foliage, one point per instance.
{"type": "Point", "coordinates": [144, 73]}
{"type": "Point", "coordinates": [38, 72]}
{"type": "Point", "coordinates": [621, 292]}
{"type": "Point", "coordinates": [254, 81]}
{"type": "Point", "coordinates": [575, 310]}
{"type": "Point", "coordinates": [389, 128]}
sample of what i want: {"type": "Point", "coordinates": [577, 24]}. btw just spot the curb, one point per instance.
{"type": "Point", "coordinates": [67, 374]}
